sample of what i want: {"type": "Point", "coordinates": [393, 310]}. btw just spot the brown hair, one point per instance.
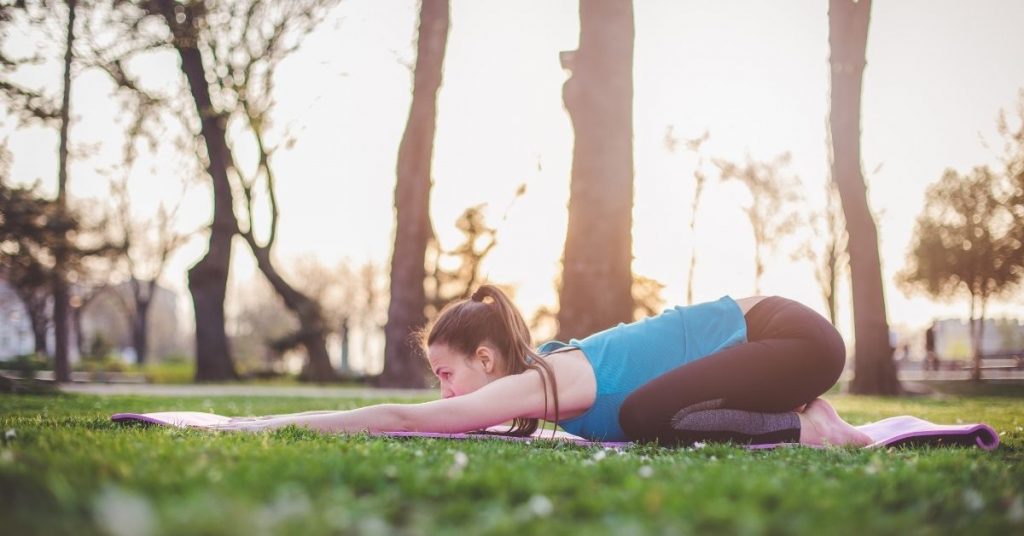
{"type": "Point", "coordinates": [489, 316]}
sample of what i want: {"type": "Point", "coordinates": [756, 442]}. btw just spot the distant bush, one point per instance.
{"type": "Point", "coordinates": [26, 365]}
{"type": "Point", "coordinates": [171, 371]}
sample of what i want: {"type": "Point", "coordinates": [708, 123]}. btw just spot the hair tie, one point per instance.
{"type": "Point", "coordinates": [478, 296]}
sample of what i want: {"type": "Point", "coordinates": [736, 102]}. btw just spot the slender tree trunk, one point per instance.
{"type": "Point", "coordinates": [76, 326]}
{"type": "Point", "coordinates": [140, 335]}
{"type": "Point", "coordinates": [978, 332]}
{"type": "Point", "coordinates": [142, 296]}
{"type": "Point", "coordinates": [403, 364]}
{"type": "Point", "coordinates": [62, 363]}
{"type": "Point", "coordinates": [207, 280]}
{"type": "Point", "coordinates": [874, 371]}
{"type": "Point", "coordinates": [699, 190]}
{"type": "Point", "coordinates": [597, 275]}
{"type": "Point", "coordinates": [344, 365]}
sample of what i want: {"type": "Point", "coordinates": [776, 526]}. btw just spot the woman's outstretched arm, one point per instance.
{"type": "Point", "coordinates": [518, 395]}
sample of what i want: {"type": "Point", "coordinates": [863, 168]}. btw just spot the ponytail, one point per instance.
{"type": "Point", "coordinates": [488, 315]}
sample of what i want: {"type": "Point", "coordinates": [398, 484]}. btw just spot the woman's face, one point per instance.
{"type": "Point", "coordinates": [460, 374]}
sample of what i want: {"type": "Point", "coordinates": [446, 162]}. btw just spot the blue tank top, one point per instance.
{"type": "Point", "coordinates": [629, 355]}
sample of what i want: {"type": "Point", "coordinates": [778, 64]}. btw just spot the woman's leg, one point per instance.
{"type": "Point", "coordinates": [745, 393]}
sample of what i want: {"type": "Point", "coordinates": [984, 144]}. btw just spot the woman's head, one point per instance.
{"type": "Point", "coordinates": [475, 341]}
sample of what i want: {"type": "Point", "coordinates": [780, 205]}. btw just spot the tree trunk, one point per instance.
{"type": "Point", "coordinates": [874, 371]}
{"type": "Point", "coordinates": [311, 323]}
{"type": "Point", "coordinates": [343, 366]}
{"type": "Point", "coordinates": [403, 364]}
{"type": "Point", "coordinates": [140, 338]}
{"type": "Point", "coordinates": [596, 265]}
{"type": "Point", "coordinates": [62, 363]}
{"type": "Point", "coordinates": [39, 335]}
{"type": "Point", "coordinates": [978, 341]}
{"type": "Point", "coordinates": [35, 306]}
{"type": "Point", "coordinates": [207, 280]}
{"type": "Point", "coordinates": [140, 319]}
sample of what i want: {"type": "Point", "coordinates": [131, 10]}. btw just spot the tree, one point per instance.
{"type": "Point", "coordinates": [826, 251]}
{"type": "Point", "coordinates": [596, 290]}
{"type": "Point", "coordinates": [1013, 160]}
{"type": "Point", "coordinates": [700, 179]}
{"type": "Point", "coordinates": [32, 229]}
{"type": "Point", "coordinates": [771, 196]}
{"type": "Point", "coordinates": [964, 242]}
{"type": "Point", "coordinates": [458, 283]}
{"type": "Point", "coordinates": [228, 53]}
{"type": "Point", "coordinates": [148, 248]}
{"type": "Point", "coordinates": [207, 279]}
{"type": "Point", "coordinates": [34, 105]}
{"type": "Point", "coordinates": [874, 371]}
{"type": "Point", "coordinates": [403, 365]}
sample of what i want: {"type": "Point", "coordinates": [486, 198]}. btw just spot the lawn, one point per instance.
{"type": "Point", "coordinates": [65, 468]}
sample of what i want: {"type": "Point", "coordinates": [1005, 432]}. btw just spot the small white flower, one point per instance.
{"type": "Point", "coordinates": [10, 434]}
{"type": "Point", "coordinates": [645, 471]}
{"type": "Point", "coordinates": [541, 506]}
{"type": "Point", "coordinates": [599, 455]}
{"type": "Point", "coordinates": [123, 513]}
{"type": "Point", "coordinates": [461, 460]}
{"type": "Point", "coordinates": [973, 500]}
{"type": "Point", "coordinates": [1015, 513]}
{"type": "Point", "coordinates": [697, 445]}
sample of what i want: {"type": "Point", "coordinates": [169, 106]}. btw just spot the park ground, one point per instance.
{"type": "Point", "coordinates": [65, 468]}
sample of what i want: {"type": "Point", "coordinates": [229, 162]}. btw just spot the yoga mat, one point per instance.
{"type": "Point", "coordinates": [904, 430]}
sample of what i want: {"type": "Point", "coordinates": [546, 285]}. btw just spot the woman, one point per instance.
{"type": "Point", "coordinates": [748, 371]}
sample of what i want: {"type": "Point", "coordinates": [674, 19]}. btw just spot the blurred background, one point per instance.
{"type": "Point", "coordinates": [309, 182]}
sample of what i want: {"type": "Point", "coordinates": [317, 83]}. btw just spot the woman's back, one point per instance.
{"type": "Point", "coordinates": [629, 355]}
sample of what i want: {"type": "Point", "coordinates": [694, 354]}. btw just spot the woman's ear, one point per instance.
{"type": "Point", "coordinates": [486, 357]}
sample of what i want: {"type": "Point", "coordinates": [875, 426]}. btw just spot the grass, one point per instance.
{"type": "Point", "coordinates": [68, 469]}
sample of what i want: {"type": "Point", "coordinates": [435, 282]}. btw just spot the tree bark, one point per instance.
{"type": "Point", "coordinates": [62, 363]}
{"type": "Point", "coordinates": [874, 371]}
{"type": "Point", "coordinates": [403, 364]}
{"type": "Point", "coordinates": [207, 280]}
{"type": "Point", "coordinates": [597, 273]}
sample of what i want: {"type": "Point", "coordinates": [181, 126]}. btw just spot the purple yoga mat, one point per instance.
{"type": "Point", "coordinates": [894, 431]}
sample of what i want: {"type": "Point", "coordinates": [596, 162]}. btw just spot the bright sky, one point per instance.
{"type": "Point", "coordinates": [755, 74]}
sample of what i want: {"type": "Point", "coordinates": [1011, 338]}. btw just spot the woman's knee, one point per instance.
{"type": "Point", "coordinates": [833, 353]}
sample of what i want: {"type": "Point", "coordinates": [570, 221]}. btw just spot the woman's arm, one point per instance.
{"type": "Point", "coordinates": [518, 395]}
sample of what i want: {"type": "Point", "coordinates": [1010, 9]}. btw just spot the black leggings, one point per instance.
{"type": "Point", "coordinates": [792, 356]}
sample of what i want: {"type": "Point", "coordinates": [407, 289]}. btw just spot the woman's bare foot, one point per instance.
{"type": "Point", "coordinates": [821, 425]}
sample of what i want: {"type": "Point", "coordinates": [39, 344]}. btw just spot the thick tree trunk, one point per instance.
{"type": "Point", "coordinates": [311, 322]}
{"type": "Point", "coordinates": [62, 363]}
{"type": "Point", "coordinates": [207, 280]}
{"type": "Point", "coordinates": [874, 371]}
{"type": "Point", "coordinates": [403, 364]}
{"type": "Point", "coordinates": [597, 275]}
